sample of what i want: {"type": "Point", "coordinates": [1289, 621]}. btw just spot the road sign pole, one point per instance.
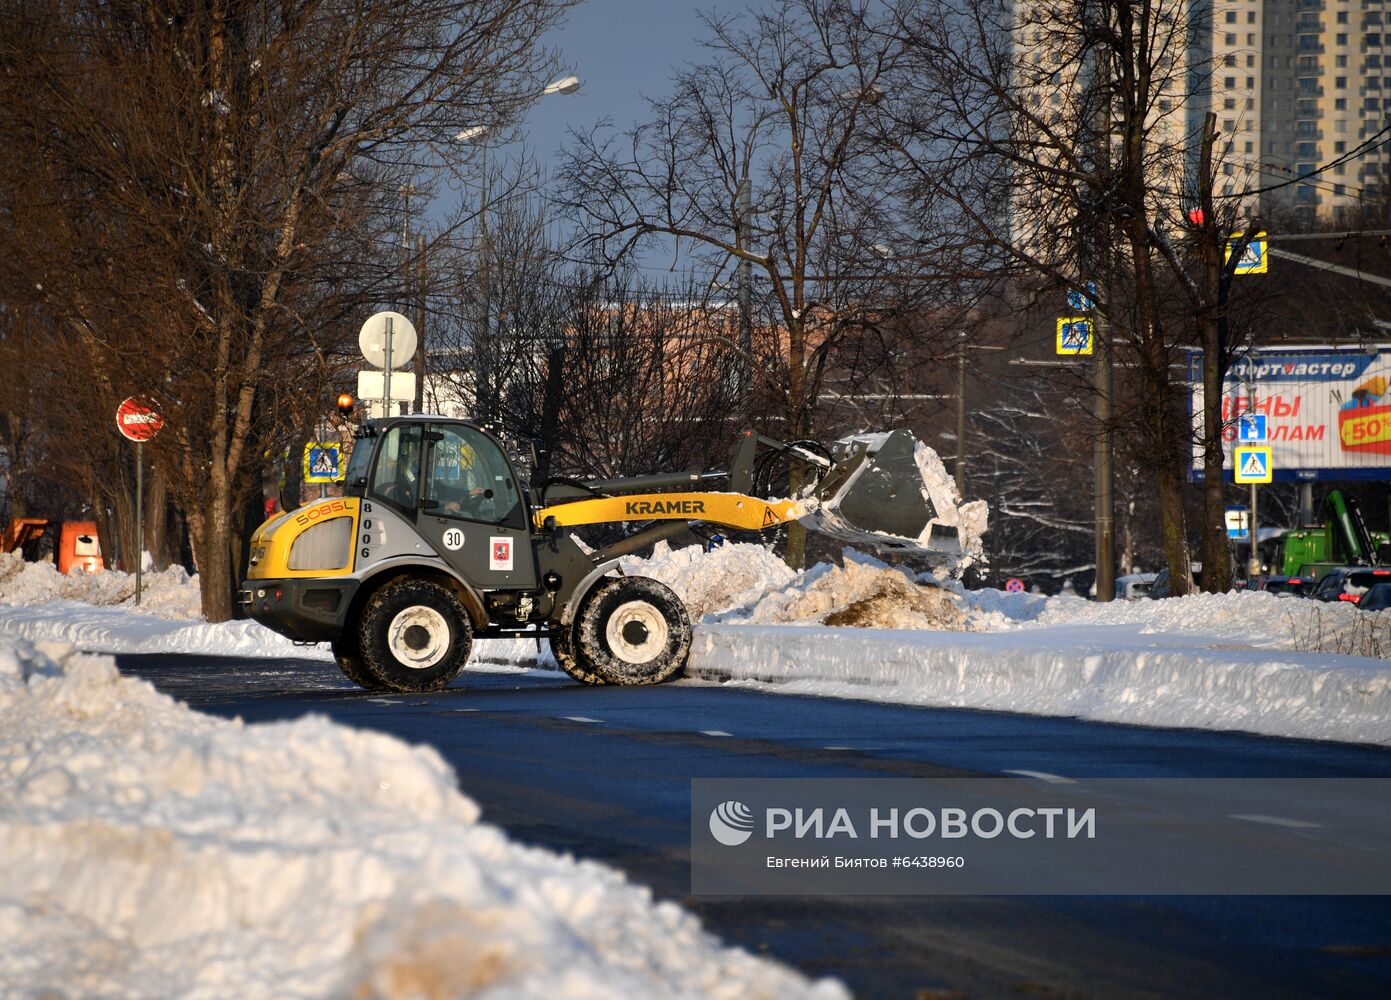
{"type": "Point", "coordinates": [139, 518]}
{"type": "Point", "coordinates": [1102, 461]}
{"type": "Point", "coordinates": [1253, 558]}
{"type": "Point", "coordinates": [386, 371]}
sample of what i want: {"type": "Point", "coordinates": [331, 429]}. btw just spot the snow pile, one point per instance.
{"type": "Point", "coordinates": [169, 593]}
{"type": "Point", "coordinates": [123, 630]}
{"type": "Point", "coordinates": [744, 583]}
{"type": "Point", "coordinates": [147, 850]}
{"type": "Point", "coordinates": [862, 593]}
{"type": "Point", "coordinates": [1112, 673]}
{"type": "Point", "coordinates": [1258, 620]}
{"type": "Point", "coordinates": [726, 577]}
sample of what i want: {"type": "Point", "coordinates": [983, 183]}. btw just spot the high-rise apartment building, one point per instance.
{"type": "Point", "coordinates": [1302, 89]}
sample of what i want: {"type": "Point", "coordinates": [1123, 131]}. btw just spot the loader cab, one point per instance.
{"type": "Point", "coordinates": [452, 481]}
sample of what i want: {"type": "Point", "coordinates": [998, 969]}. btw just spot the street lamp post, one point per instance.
{"type": "Point", "coordinates": [482, 348]}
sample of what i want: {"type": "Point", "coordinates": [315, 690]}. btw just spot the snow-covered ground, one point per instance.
{"type": "Point", "coordinates": [148, 850]}
{"type": "Point", "coordinates": [1255, 662]}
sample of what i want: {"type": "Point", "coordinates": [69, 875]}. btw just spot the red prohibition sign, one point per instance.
{"type": "Point", "coordinates": [137, 421]}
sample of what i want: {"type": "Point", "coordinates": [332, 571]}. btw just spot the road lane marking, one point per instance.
{"type": "Point", "coordinates": [1052, 779]}
{"type": "Point", "coordinates": [713, 732]}
{"type": "Point", "coordinates": [582, 718]}
{"type": "Point", "coordinates": [1293, 824]}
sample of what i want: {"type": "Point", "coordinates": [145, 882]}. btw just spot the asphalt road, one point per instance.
{"type": "Point", "coordinates": [605, 773]}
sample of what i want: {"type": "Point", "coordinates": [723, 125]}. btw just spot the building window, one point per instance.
{"type": "Point", "coordinates": [1340, 104]}
{"type": "Point", "coordinates": [1372, 104]}
{"type": "Point", "coordinates": [1229, 38]}
{"type": "Point", "coordinates": [1340, 147]}
{"type": "Point", "coordinates": [1229, 82]}
{"type": "Point", "coordinates": [1229, 60]}
{"type": "Point", "coordinates": [1229, 103]}
{"type": "Point", "coordinates": [1341, 61]}
{"type": "Point", "coordinates": [1342, 17]}
{"type": "Point", "coordinates": [1248, 148]}
{"type": "Point", "coordinates": [1251, 60]}
{"type": "Point", "coordinates": [1342, 39]}
{"type": "Point", "coordinates": [1231, 17]}
{"type": "Point", "coordinates": [1339, 189]}
{"type": "Point", "coordinates": [1372, 39]}
{"type": "Point", "coordinates": [1340, 82]}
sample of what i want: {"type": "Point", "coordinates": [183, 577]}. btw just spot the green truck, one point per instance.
{"type": "Point", "coordinates": [1342, 540]}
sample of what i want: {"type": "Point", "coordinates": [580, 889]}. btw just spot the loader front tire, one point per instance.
{"type": "Point", "coordinates": [633, 630]}
{"type": "Point", "coordinates": [563, 649]}
{"type": "Point", "coordinates": [415, 636]}
{"type": "Point", "coordinates": [349, 656]}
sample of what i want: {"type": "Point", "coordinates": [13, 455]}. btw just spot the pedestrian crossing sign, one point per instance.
{"type": "Point", "coordinates": [1074, 335]}
{"type": "Point", "coordinates": [1254, 259]}
{"type": "Point", "coordinates": [1253, 465]}
{"type": "Point", "coordinates": [323, 462]}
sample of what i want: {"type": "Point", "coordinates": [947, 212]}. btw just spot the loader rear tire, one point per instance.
{"type": "Point", "coordinates": [415, 636]}
{"type": "Point", "coordinates": [633, 630]}
{"type": "Point", "coordinates": [349, 656]}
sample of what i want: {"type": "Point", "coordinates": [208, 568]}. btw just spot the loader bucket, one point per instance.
{"type": "Point", "coordinates": [892, 492]}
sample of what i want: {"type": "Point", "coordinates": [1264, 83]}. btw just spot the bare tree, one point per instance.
{"type": "Point", "coordinates": [760, 161]}
{"type": "Point", "coordinates": [1058, 128]}
{"type": "Point", "coordinates": [223, 178]}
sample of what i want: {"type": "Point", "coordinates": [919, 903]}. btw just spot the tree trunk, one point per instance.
{"type": "Point", "coordinates": [214, 555]}
{"type": "Point", "coordinates": [157, 516]}
{"type": "Point", "coordinates": [1174, 530]}
{"type": "Point", "coordinates": [1217, 571]}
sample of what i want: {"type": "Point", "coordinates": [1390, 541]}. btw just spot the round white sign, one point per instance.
{"type": "Point", "coordinates": [453, 539]}
{"type": "Point", "coordinates": [372, 338]}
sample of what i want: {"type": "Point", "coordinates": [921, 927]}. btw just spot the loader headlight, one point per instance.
{"type": "Point", "coordinates": [323, 546]}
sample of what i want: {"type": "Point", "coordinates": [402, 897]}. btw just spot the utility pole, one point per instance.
{"type": "Point", "coordinates": [1103, 451]}
{"type": "Point", "coordinates": [1103, 448]}
{"type": "Point", "coordinates": [420, 323]}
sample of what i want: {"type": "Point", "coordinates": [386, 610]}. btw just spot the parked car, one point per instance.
{"type": "Point", "coordinates": [1134, 586]}
{"type": "Point", "coordinates": [1284, 586]}
{"type": "Point", "coordinates": [1349, 583]}
{"type": "Point", "coordinates": [1160, 587]}
{"type": "Point", "coordinates": [1378, 598]}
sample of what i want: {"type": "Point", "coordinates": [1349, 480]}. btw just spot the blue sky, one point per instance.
{"type": "Point", "coordinates": [623, 51]}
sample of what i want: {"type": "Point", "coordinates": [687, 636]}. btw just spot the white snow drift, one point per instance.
{"type": "Point", "coordinates": [1257, 662]}
{"type": "Point", "coordinates": [148, 850]}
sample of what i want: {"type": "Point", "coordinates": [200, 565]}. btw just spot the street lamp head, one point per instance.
{"type": "Point", "coordinates": [565, 85]}
{"type": "Point", "coordinates": [471, 133]}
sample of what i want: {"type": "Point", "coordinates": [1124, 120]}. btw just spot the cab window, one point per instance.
{"type": "Point", "coordinates": [469, 477]}
{"type": "Point", "coordinates": [395, 476]}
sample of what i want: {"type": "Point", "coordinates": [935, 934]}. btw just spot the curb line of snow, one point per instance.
{"type": "Point", "coordinates": [1102, 674]}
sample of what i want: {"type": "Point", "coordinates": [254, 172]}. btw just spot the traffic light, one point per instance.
{"type": "Point", "coordinates": [345, 405]}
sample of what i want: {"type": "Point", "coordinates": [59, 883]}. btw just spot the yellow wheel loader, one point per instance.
{"type": "Point", "coordinates": [438, 541]}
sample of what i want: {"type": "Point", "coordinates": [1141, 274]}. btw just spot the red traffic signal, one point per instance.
{"type": "Point", "coordinates": [1196, 216]}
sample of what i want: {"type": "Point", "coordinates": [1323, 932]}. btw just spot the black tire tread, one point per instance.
{"type": "Point", "coordinates": [590, 648]}
{"type": "Point", "coordinates": [563, 649]}
{"type": "Point", "coordinates": [348, 655]}
{"type": "Point", "coordinates": [377, 614]}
